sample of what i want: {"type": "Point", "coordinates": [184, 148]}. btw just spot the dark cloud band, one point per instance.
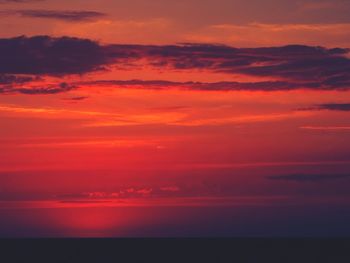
{"type": "Point", "coordinates": [330, 107]}
{"type": "Point", "coordinates": [289, 67]}
{"type": "Point", "coordinates": [70, 16]}
{"type": "Point", "coordinates": [309, 177]}
{"type": "Point", "coordinates": [43, 55]}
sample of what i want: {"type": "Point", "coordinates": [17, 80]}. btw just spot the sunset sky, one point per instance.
{"type": "Point", "coordinates": [174, 118]}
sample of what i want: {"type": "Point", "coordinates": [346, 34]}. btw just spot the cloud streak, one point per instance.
{"type": "Point", "coordinates": [38, 90]}
{"type": "Point", "coordinates": [304, 65]}
{"type": "Point", "coordinates": [207, 86]}
{"type": "Point", "coordinates": [331, 107]}
{"type": "Point", "coordinates": [111, 119]}
{"type": "Point", "coordinates": [309, 177]}
{"type": "Point", "coordinates": [326, 128]}
{"type": "Point", "coordinates": [269, 86]}
{"type": "Point", "coordinates": [75, 99]}
{"type": "Point", "coordinates": [69, 16]}
{"type": "Point", "coordinates": [288, 67]}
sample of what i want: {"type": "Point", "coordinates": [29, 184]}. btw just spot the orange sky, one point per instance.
{"type": "Point", "coordinates": [129, 114]}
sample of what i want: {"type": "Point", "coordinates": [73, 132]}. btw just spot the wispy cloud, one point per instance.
{"type": "Point", "coordinates": [50, 112]}
{"type": "Point", "coordinates": [206, 166]}
{"type": "Point", "coordinates": [74, 99]}
{"type": "Point", "coordinates": [330, 107]}
{"type": "Point", "coordinates": [64, 15]}
{"type": "Point", "coordinates": [309, 177]}
{"type": "Point", "coordinates": [107, 143]}
{"type": "Point", "coordinates": [173, 118]}
{"type": "Point", "coordinates": [326, 128]}
{"type": "Point", "coordinates": [277, 34]}
{"type": "Point", "coordinates": [206, 86]}
{"type": "Point", "coordinates": [37, 90]}
{"type": "Point", "coordinates": [180, 119]}
{"type": "Point", "coordinates": [14, 85]}
{"type": "Point", "coordinates": [290, 67]}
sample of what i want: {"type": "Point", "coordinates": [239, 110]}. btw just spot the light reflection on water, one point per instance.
{"type": "Point", "coordinates": [96, 220]}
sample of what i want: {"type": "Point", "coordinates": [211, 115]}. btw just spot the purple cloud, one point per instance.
{"type": "Point", "coordinates": [291, 67]}
{"type": "Point", "coordinates": [70, 16]}
{"type": "Point", "coordinates": [44, 55]}
{"type": "Point", "coordinates": [309, 177]}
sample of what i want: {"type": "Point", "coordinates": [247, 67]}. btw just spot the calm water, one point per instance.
{"type": "Point", "coordinates": [175, 221]}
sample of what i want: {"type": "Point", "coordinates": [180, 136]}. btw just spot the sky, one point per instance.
{"type": "Point", "coordinates": [139, 118]}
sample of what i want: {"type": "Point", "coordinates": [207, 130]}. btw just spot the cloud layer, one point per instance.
{"type": "Point", "coordinates": [304, 65]}
{"type": "Point", "coordinates": [332, 107]}
{"type": "Point", "coordinates": [309, 177]}
{"type": "Point", "coordinates": [70, 16]}
{"type": "Point", "coordinates": [43, 55]}
{"type": "Point", "coordinates": [287, 68]}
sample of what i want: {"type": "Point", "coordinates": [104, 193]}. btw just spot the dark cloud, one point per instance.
{"type": "Point", "coordinates": [329, 107]}
{"type": "Point", "coordinates": [11, 79]}
{"type": "Point", "coordinates": [307, 66]}
{"type": "Point", "coordinates": [206, 86]}
{"type": "Point", "coordinates": [71, 16]}
{"type": "Point", "coordinates": [333, 107]}
{"type": "Point", "coordinates": [44, 55]}
{"type": "Point", "coordinates": [309, 177]}
{"type": "Point", "coordinates": [51, 89]}
{"type": "Point", "coordinates": [76, 98]}
{"type": "Point", "coordinates": [24, 85]}
{"type": "Point", "coordinates": [290, 67]}
{"type": "Point", "coordinates": [268, 86]}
